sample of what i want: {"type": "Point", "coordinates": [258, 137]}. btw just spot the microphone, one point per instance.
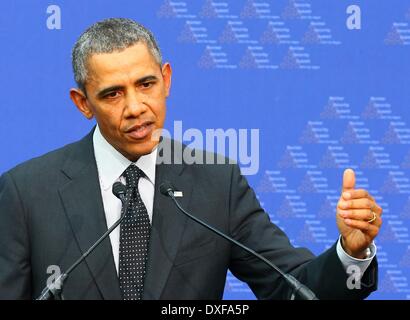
{"type": "Point", "coordinates": [55, 289]}
{"type": "Point", "coordinates": [119, 190]}
{"type": "Point", "coordinates": [167, 189]}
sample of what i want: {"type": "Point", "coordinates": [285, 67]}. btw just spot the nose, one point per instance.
{"type": "Point", "coordinates": [135, 105]}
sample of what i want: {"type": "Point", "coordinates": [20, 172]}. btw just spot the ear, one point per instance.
{"type": "Point", "coordinates": [80, 100]}
{"type": "Point", "coordinates": [166, 75]}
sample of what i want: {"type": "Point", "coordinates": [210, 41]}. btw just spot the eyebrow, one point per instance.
{"type": "Point", "coordinates": [142, 80]}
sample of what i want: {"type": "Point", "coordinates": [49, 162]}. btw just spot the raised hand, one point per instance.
{"type": "Point", "coordinates": [358, 217]}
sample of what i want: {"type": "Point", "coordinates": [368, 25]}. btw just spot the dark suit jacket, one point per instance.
{"type": "Point", "coordinates": [51, 212]}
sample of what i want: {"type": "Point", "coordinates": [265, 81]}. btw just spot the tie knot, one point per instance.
{"type": "Point", "coordinates": [132, 174]}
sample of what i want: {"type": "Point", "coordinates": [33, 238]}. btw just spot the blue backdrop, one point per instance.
{"type": "Point", "coordinates": [323, 96]}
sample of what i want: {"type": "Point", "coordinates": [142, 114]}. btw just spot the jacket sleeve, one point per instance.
{"type": "Point", "coordinates": [15, 271]}
{"type": "Point", "coordinates": [251, 225]}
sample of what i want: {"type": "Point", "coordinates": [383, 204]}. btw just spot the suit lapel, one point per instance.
{"type": "Point", "coordinates": [81, 197]}
{"type": "Point", "coordinates": [167, 227]}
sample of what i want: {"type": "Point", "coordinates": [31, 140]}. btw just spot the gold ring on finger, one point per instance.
{"type": "Point", "coordinates": [373, 218]}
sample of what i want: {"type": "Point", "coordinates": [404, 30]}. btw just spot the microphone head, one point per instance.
{"type": "Point", "coordinates": [166, 187]}
{"type": "Point", "coordinates": [119, 190]}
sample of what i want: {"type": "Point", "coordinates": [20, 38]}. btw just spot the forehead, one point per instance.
{"type": "Point", "coordinates": [134, 61]}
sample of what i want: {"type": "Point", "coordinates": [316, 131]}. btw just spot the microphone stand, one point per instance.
{"type": "Point", "coordinates": [300, 289]}
{"type": "Point", "coordinates": [54, 291]}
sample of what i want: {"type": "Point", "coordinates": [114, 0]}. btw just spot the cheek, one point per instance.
{"type": "Point", "coordinates": [110, 120]}
{"type": "Point", "coordinates": [158, 106]}
{"type": "Point", "coordinates": [160, 114]}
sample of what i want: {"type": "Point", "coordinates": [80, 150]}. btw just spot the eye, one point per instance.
{"type": "Point", "coordinates": [112, 95]}
{"type": "Point", "coordinates": [147, 85]}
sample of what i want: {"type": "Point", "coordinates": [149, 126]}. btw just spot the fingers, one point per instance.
{"type": "Point", "coordinates": [364, 215]}
{"type": "Point", "coordinates": [358, 195]}
{"type": "Point", "coordinates": [365, 203]}
{"type": "Point", "coordinates": [349, 179]}
{"type": "Point", "coordinates": [360, 208]}
{"type": "Point", "coordinates": [368, 228]}
{"type": "Point", "coordinates": [376, 207]}
{"type": "Point", "coordinates": [355, 194]}
{"type": "Point", "coordinates": [357, 210]}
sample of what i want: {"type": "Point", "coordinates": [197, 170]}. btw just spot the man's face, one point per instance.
{"type": "Point", "coordinates": [126, 93]}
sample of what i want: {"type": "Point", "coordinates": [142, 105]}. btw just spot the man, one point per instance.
{"type": "Point", "coordinates": [53, 208]}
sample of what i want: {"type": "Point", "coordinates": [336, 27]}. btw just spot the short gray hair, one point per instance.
{"type": "Point", "coordinates": [107, 36]}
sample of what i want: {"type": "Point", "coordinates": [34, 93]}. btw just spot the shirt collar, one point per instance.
{"type": "Point", "coordinates": [111, 164]}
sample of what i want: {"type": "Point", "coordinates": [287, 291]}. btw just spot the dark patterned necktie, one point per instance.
{"type": "Point", "coordinates": [134, 239]}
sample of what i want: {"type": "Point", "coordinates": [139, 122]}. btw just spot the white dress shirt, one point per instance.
{"type": "Point", "coordinates": [111, 164]}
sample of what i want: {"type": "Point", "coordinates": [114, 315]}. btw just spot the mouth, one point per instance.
{"type": "Point", "coordinates": [140, 132]}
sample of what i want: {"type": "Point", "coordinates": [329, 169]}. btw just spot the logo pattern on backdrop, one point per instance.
{"type": "Point", "coordinates": [301, 190]}
{"type": "Point", "coordinates": [269, 44]}
{"type": "Point", "coordinates": [300, 187]}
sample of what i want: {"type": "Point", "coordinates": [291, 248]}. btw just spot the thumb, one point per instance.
{"type": "Point", "coordinates": [349, 180]}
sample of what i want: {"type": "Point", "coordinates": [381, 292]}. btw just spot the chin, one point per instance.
{"type": "Point", "coordinates": [142, 150]}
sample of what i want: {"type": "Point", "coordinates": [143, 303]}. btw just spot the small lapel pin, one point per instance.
{"type": "Point", "coordinates": [178, 194]}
